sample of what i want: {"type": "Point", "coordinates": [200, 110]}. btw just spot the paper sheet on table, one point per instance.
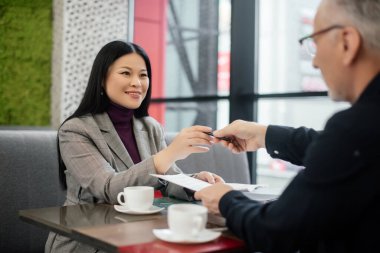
{"type": "Point", "coordinates": [196, 184]}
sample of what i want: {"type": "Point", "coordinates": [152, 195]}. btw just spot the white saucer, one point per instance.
{"type": "Point", "coordinates": [124, 209]}
{"type": "Point", "coordinates": [167, 235]}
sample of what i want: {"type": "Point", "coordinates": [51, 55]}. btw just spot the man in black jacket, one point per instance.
{"type": "Point", "coordinates": [333, 205]}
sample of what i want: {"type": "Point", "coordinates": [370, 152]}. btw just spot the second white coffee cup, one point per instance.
{"type": "Point", "coordinates": [136, 198]}
{"type": "Point", "coordinates": [186, 220]}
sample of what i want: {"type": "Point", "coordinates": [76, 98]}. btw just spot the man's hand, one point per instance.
{"type": "Point", "coordinates": [244, 136]}
{"type": "Point", "coordinates": [210, 196]}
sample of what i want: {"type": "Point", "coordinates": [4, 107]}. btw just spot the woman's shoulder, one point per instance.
{"type": "Point", "coordinates": [78, 121]}
{"type": "Point", "coordinates": [82, 124]}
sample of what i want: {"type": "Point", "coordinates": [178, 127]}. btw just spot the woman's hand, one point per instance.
{"type": "Point", "coordinates": [209, 177]}
{"type": "Point", "coordinates": [190, 140]}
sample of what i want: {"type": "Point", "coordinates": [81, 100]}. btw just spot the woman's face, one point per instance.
{"type": "Point", "coordinates": [127, 81]}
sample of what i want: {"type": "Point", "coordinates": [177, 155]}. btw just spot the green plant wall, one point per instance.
{"type": "Point", "coordinates": [25, 60]}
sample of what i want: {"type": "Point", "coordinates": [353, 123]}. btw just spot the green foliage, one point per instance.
{"type": "Point", "coordinates": [25, 62]}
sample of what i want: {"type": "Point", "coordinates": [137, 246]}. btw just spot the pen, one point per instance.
{"type": "Point", "coordinates": [220, 138]}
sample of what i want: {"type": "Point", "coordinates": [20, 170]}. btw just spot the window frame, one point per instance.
{"type": "Point", "coordinates": [244, 96]}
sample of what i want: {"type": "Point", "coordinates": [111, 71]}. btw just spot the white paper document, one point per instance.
{"type": "Point", "coordinates": [196, 184]}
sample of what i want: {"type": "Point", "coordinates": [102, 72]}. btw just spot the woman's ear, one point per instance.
{"type": "Point", "coordinates": [352, 42]}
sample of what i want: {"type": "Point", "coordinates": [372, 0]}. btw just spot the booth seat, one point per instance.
{"type": "Point", "coordinates": [29, 179]}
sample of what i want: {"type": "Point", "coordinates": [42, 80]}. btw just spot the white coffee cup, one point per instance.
{"type": "Point", "coordinates": [137, 198]}
{"type": "Point", "coordinates": [186, 220]}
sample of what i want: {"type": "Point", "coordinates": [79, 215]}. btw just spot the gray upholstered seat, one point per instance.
{"type": "Point", "coordinates": [28, 179]}
{"type": "Point", "coordinates": [219, 160]}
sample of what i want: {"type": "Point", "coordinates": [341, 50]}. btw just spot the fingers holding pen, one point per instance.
{"type": "Point", "coordinates": [239, 136]}
{"type": "Point", "coordinates": [195, 132]}
{"type": "Point", "coordinates": [190, 140]}
{"type": "Point", "coordinates": [237, 146]}
{"type": "Point", "coordinates": [198, 137]}
{"type": "Point", "coordinates": [230, 142]}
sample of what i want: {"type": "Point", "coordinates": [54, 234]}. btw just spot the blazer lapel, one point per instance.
{"type": "Point", "coordinates": [112, 138]}
{"type": "Point", "coordinates": [142, 139]}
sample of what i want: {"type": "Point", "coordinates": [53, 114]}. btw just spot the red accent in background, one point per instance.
{"type": "Point", "coordinates": [224, 71]}
{"type": "Point", "coordinates": [307, 20]}
{"type": "Point", "coordinates": [150, 33]}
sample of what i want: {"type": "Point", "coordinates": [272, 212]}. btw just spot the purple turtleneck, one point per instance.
{"type": "Point", "coordinates": [122, 120]}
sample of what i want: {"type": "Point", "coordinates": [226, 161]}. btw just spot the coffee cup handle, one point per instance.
{"type": "Point", "coordinates": [197, 225]}
{"type": "Point", "coordinates": [119, 198]}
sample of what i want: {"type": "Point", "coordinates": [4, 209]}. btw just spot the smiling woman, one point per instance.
{"type": "Point", "coordinates": [110, 142]}
{"type": "Point", "coordinates": [127, 81]}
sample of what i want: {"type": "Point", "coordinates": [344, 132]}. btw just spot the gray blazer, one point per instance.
{"type": "Point", "coordinates": [99, 166]}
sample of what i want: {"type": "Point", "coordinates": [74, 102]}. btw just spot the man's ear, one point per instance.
{"type": "Point", "coordinates": [351, 44]}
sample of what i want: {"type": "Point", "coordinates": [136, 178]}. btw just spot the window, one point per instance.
{"type": "Point", "coordinates": [191, 82]}
{"type": "Point", "coordinates": [225, 60]}
{"type": "Point", "coordinates": [303, 111]}
{"type": "Point", "coordinates": [290, 91]}
{"type": "Point", "coordinates": [197, 63]}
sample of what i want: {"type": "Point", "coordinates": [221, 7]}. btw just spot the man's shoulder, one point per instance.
{"type": "Point", "coordinates": [357, 115]}
{"type": "Point", "coordinates": [357, 124]}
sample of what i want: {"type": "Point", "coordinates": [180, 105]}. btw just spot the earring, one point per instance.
{"type": "Point", "coordinates": [101, 93]}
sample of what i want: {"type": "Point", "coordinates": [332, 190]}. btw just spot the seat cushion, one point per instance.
{"type": "Point", "coordinates": [28, 179]}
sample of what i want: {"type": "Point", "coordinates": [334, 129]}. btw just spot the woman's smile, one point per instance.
{"type": "Point", "coordinates": [134, 94]}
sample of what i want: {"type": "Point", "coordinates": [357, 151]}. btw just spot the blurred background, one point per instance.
{"type": "Point", "coordinates": [213, 61]}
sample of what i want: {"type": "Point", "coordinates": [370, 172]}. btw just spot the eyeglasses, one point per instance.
{"type": "Point", "coordinates": [308, 43]}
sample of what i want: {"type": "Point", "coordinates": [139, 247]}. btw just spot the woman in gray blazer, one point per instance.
{"type": "Point", "coordinates": [110, 141]}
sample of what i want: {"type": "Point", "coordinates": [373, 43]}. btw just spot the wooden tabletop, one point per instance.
{"type": "Point", "coordinates": [101, 226]}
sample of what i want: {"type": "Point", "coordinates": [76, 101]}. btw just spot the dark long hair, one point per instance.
{"type": "Point", "coordinates": [95, 100]}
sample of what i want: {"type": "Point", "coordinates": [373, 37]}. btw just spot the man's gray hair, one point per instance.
{"type": "Point", "coordinates": [365, 15]}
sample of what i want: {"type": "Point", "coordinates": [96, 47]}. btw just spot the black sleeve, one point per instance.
{"type": "Point", "coordinates": [255, 224]}
{"type": "Point", "coordinates": [289, 144]}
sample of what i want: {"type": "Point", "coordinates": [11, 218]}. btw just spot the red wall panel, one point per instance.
{"type": "Point", "coordinates": [150, 33]}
